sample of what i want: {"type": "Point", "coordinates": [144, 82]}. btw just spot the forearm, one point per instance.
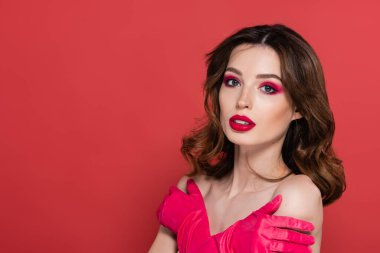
{"type": "Point", "coordinates": [165, 242]}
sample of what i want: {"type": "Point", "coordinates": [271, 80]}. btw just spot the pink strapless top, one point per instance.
{"type": "Point", "coordinates": [222, 237]}
{"type": "Point", "coordinates": [186, 215]}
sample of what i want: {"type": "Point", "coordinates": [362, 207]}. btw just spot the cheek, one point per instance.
{"type": "Point", "coordinates": [226, 106]}
{"type": "Point", "coordinates": [227, 101]}
{"type": "Point", "coordinates": [277, 118]}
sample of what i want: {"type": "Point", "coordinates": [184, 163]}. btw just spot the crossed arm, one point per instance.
{"type": "Point", "coordinates": [301, 199]}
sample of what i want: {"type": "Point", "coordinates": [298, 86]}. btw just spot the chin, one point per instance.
{"type": "Point", "coordinates": [241, 140]}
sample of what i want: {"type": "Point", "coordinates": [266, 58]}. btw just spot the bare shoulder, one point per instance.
{"type": "Point", "coordinates": [299, 186]}
{"type": "Point", "coordinates": [202, 181]}
{"type": "Point", "coordinates": [182, 182]}
{"type": "Point", "coordinates": [301, 198]}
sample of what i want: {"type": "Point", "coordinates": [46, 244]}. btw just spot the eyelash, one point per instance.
{"type": "Point", "coordinates": [273, 90]}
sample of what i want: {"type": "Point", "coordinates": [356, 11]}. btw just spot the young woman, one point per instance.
{"type": "Point", "coordinates": [263, 164]}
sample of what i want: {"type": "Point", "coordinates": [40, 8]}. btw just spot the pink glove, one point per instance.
{"type": "Point", "coordinates": [185, 215]}
{"type": "Point", "coordinates": [260, 232]}
{"type": "Point", "coordinates": [263, 232]}
{"type": "Point", "coordinates": [178, 205]}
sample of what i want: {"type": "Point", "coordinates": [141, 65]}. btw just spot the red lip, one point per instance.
{"type": "Point", "coordinates": [241, 127]}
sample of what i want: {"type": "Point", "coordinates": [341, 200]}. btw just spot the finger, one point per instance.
{"type": "Point", "coordinates": [192, 187]}
{"type": "Point", "coordinates": [288, 247]}
{"type": "Point", "coordinates": [175, 191]}
{"type": "Point", "coordinates": [291, 236]}
{"type": "Point", "coordinates": [272, 206]}
{"type": "Point", "coordinates": [291, 223]}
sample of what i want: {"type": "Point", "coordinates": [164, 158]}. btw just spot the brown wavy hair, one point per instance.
{"type": "Point", "coordinates": [307, 148]}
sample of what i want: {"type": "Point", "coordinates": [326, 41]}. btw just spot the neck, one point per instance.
{"type": "Point", "coordinates": [265, 161]}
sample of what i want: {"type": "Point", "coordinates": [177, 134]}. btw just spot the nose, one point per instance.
{"type": "Point", "coordinates": [244, 101]}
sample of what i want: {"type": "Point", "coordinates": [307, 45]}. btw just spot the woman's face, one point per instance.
{"type": "Point", "coordinates": [252, 88]}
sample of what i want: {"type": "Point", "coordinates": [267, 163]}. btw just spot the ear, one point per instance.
{"type": "Point", "coordinates": [296, 114]}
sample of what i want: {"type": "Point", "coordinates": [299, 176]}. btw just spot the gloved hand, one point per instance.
{"type": "Point", "coordinates": [260, 232]}
{"type": "Point", "coordinates": [178, 205]}
{"type": "Point", "coordinates": [263, 232]}
{"type": "Point", "coordinates": [185, 215]}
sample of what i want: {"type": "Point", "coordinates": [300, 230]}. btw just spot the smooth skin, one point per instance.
{"type": "Point", "coordinates": [247, 92]}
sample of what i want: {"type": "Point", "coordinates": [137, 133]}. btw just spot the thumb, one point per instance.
{"type": "Point", "coordinates": [192, 187]}
{"type": "Point", "coordinates": [272, 206]}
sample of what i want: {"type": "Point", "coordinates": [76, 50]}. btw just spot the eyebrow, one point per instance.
{"type": "Point", "coordinates": [238, 72]}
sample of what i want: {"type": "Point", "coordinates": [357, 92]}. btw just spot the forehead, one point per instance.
{"type": "Point", "coordinates": [255, 59]}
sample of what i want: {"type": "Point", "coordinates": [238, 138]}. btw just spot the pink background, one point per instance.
{"type": "Point", "coordinates": [95, 96]}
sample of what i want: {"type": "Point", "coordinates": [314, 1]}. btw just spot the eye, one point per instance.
{"type": "Point", "coordinates": [268, 88]}
{"type": "Point", "coordinates": [231, 82]}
